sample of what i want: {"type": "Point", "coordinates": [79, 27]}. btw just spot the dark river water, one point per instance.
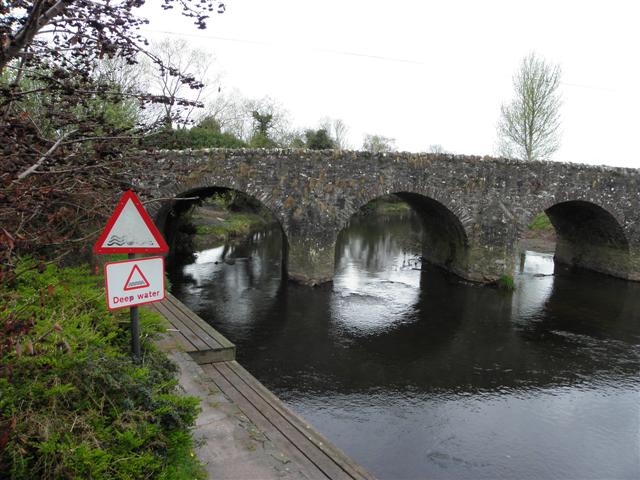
{"type": "Point", "coordinates": [417, 375]}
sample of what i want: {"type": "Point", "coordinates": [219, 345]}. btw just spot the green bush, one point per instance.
{"type": "Point", "coordinates": [193, 138]}
{"type": "Point", "coordinates": [260, 140]}
{"type": "Point", "coordinates": [541, 222]}
{"type": "Point", "coordinates": [235, 225]}
{"type": "Point", "coordinates": [72, 403]}
{"type": "Point", "coordinates": [506, 282]}
{"type": "Point", "coordinates": [319, 139]}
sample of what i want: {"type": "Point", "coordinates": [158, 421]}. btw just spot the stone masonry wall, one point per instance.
{"type": "Point", "coordinates": [475, 207]}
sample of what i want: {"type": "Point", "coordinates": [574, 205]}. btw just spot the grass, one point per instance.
{"type": "Point", "coordinates": [385, 207]}
{"type": "Point", "coordinates": [72, 403]}
{"type": "Point", "coordinates": [393, 208]}
{"type": "Point", "coordinates": [506, 282]}
{"type": "Point", "coordinates": [541, 223]}
{"type": "Point", "coordinates": [234, 225]}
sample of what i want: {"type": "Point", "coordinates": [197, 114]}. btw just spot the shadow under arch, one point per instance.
{"type": "Point", "coordinates": [445, 242]}
{"type": "Point", "coordinates": [589, 236]}
{"type": "Point", "coordinates": [168, 216]}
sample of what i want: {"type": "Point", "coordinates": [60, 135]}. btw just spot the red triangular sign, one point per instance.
{"type": "Point", "coordinates": [130, 230]}
{"type": "Point", "coordinates": [136, 280]}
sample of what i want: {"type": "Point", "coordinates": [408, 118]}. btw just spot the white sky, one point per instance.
{"type": "Point", "coordinates": [460, 58]}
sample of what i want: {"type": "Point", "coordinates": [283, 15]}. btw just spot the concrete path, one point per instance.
{"type": "Point", "coordinates": [230, 446]}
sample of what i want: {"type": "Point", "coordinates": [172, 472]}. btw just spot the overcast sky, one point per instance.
{"type": "Point", "coordinates": [431, 72]}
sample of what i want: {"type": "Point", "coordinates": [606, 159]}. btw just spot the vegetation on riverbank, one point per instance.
{"type": "Point", "coordinates": [194, 138]}
{"type": "Point", "coordinates": [72, 403]}
{"type": "Point", "coordinates": [540, 235]}
{"type": "Point", "coordinates": [541, 223]}
{"type": "Point", "coordinates": [388, 205]}
{"type": "Point", "coordinates": [224, 217]}
{"type": "Point", "coordinates": [507, 283]}
{"type": "Point", "coordinates": [231, 225]}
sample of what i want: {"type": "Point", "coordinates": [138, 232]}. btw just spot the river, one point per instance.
{"type": "Point", "coordinates": [418, 375]}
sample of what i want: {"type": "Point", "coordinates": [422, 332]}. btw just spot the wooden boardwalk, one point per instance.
{"type": "Point", "coordinates": [314, 456]}
{"type": "Point", "coordinates": [190, 333]}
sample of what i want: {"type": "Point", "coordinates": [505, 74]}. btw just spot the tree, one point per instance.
{"type": "Point", "coordinates": [277, 130]}
{"type": "Point", "coordinates": [528, 128]}
{"type": "Point", "coordinates": [228, 109]}
{"type": "Point", "coordinates": [193, 138]}
{"type": "Point", "coordinates": [436, 148]}
{"type": "Point", "coordinates": [319, 140]}
{"type": "Point", "coordinates": [340, 134]}
{"type": "Point", "coordinates": [337, 130]}
{"type": "Point", "coordinates": [66, 121]}
{"type": "Point", "coordinates": [378, 144]}
{"type": "Point", "coordinates": [209, 123]}
{"type": "Point", "coordinates": [261, 122]}
{"type": "Point", "coordinates": [261, 130]}
{"type": "Point", "coordinates": [177, 56]}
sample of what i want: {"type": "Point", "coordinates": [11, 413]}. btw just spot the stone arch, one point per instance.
{"type": "Point", "coordinates": [447, 234]}
{"type": "Point", "coordinates": [163, 212]}
{"type": "Point", "coordinates": [189, 188]}
{"type": "Point", "coordinates": [539, 205]}
{"type": "Point", "coordinates": [589, 235]}
{"type": "Point", "coordinates": [445, 199]}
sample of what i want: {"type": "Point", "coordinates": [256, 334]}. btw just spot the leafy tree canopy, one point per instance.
{"type": "Point", "coordinates": [319, 140]}
{"type": "Point", "coordinates": [529, 126]}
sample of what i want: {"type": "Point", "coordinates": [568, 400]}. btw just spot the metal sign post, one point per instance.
{"type": "Point", "coordinates": [135, 327]}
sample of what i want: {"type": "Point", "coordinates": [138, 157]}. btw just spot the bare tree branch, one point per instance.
{"type": "Point", "coordinates": [35, 166]}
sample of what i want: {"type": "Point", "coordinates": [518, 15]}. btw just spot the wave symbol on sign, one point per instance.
{"type": "Point", "coordinates": [115, 240]}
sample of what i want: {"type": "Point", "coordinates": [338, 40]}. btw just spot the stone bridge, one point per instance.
{"type": "Point", "coordinates": [474, 209]}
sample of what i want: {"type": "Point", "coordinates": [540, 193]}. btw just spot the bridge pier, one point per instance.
{"type": "Point", "coordinates": [634, 264]}
{"type": "Point", "coordinates": [476, 262]}
{"type": "Point", "coordinates": [309, 261]}
{"type": "Point", "coordinates": [607, 259]}
{"type": "Point", "coordinates": [589, 237]}
{"type": "Point", "coordinates": [487, 264]}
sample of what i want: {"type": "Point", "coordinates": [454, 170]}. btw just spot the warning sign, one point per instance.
{"type": "Point", "coordinates": [134, 282]}
{"type": "Point", "coordinates": [136, 279]}
{"type": "Point", "coordinates": [130, 230]}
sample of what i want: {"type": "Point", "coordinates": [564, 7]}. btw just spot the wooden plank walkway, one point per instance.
{"type": "Point", "coordinates": [309, 449]}
{"type": "Point", "coordinates": [314, 456]}
{"type": "Point", "coordinates": [192, 334]}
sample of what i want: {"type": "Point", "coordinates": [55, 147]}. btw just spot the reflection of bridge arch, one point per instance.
{"type": "Point", "coordinates": [446, 239]}
{"type": "Point", "coordinates": [589, 235]}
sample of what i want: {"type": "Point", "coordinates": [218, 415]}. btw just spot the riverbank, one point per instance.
{"type": "Point", "coordinates": [540, 236]}
{"type": "Point", "coordinates": [386, 206]}
{"type": "Point", "coordinates": [215, 225]}
{"type": "Point", "coordinates": [73, 403]}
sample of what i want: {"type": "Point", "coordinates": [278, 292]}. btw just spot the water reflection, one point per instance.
{"type": "Point", "coordinates": [418, 375]}
{"type": "Point", "coordinates": [240, 281]}
{"type": "Point", "coordinates": [534, 285]}
{"type": "Point", "coordinates": [377, 281]}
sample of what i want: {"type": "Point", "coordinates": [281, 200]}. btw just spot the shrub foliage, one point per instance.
{"type": "Point", "coordinates": [72, 403]}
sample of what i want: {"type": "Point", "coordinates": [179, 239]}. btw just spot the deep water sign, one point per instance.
{"type": "Point", "coordinates": [134, 282]}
